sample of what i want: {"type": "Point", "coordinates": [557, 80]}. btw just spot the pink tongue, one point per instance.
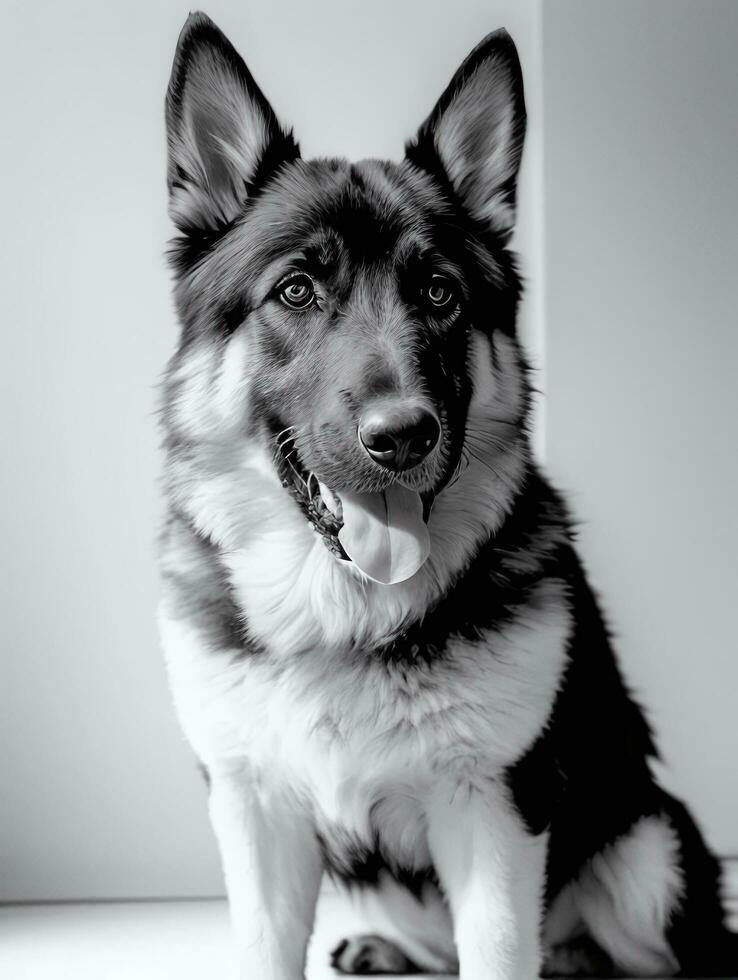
{"type": "Point", "coordinates": [384, 533]}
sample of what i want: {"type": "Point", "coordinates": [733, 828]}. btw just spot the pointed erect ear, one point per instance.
{"type": "Point", "coordinates": [473, 139]}
{"type": "Point", "coordinates": [223, 136]}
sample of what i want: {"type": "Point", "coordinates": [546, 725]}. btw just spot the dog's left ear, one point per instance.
{"type": "Point", "coordinates": [473, 138]}
{"type": "Point", "coordinates": [224, 138]}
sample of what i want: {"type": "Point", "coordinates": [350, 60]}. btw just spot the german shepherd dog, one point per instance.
{"type": "Point", "coordinates": [381, 643]}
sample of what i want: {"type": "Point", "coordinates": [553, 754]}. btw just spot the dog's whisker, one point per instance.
{"type": "Point", "coordinates": [288, 428]}
{"type": "Point", "coordinates": [461, 467]}
{"type": "Point", "coordinates": [485, 442]}
{"type": "Point", "coordinates": [495, 472]}
{"type": "Point", "coordinates": [294, 469]}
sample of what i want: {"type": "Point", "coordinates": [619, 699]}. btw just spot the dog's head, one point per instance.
{"type": "Point", "coordinates": [333, 310]}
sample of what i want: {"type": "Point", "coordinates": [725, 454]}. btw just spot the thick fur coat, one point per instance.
{"type": "Point", "coordinates": [458, 746]}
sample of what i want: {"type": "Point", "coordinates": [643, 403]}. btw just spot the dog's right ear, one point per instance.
{"type": "Point", "coordinates": [224, 138]}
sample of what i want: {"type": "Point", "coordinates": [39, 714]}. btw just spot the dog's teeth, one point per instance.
{"type": "Point", "coordinates": [329, 499]}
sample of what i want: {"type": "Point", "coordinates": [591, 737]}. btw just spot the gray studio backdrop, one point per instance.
{"type": "Point", "coordinates": [628, 235]}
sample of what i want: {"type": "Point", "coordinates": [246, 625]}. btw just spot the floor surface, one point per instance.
{"type": "Point", "coordinates": [179, 940]}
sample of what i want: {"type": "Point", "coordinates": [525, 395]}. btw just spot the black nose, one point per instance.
{"type": "Point", "coordinates": [399, 437]}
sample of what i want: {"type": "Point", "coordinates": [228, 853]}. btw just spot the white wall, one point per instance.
{"type": "Point", "coordinates": [641, 192]}
{"type": "Point", "coordinates": [100, 796]}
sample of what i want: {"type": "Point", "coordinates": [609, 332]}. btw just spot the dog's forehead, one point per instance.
{"type": "Point", "coordinates": [366, 211]}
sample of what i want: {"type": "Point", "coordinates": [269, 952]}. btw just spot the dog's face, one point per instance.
{"type": "Point", "coordinates": [334, 305]}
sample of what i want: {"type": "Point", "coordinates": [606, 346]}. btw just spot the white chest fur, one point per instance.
{"type": "Point", "coordinates": [361, 741]}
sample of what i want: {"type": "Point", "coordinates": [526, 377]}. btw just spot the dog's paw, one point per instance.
{"type": "Point", "coordinates": [580, 957]}
{"type": "Point", "coordinates": [370, 954]}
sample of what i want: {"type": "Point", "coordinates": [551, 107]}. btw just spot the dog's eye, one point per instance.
{"type": "Point", "coordinates": [440, 294]}
{"type": "Point", "coordinates": [297, 292]}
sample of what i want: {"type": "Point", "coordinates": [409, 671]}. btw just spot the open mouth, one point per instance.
{"type": "Point", "coordinates": [305, 488]}
{"type": "Point", "coordinates": [383, 533]}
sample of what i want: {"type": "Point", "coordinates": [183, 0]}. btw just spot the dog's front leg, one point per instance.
{"type": "Point", "coordinates": [272, 865]}
{"type": "Point", "coordinates": [492, 872]}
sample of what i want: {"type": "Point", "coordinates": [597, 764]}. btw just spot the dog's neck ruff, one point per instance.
{"type": "Point", "coordinates": [292, 592]}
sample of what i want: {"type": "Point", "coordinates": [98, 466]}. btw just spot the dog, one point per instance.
{"type": "Point", "coordinates": [381, 643]}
